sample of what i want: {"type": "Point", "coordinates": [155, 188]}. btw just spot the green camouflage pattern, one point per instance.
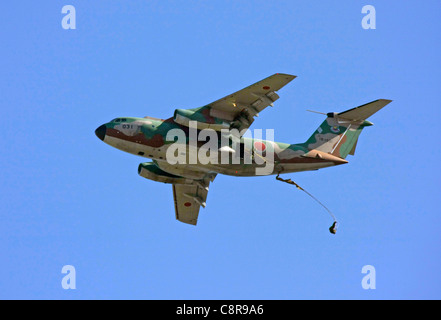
{"type": "Point", "coordinates": [332, 142]}
{"type": "Point", "coordinates": [225, 146]}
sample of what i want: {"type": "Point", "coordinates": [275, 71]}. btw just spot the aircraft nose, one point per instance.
{"type": "Point", "coordinates": [101, 132]}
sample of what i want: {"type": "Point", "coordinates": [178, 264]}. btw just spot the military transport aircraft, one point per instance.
{"type": "Point", "coordinates": [148, 137]}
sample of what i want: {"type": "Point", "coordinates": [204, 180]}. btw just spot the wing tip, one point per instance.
{"type": "Point", "coordinates": [192, 222]}
{"type": "Point", "coordinates": [286, 75]}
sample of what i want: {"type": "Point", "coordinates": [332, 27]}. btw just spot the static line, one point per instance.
{"type": "Point", "coordinates": [333, 228]}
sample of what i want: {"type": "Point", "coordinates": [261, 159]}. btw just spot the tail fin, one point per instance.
{"type": "Point", "coordinates": [338, 134]}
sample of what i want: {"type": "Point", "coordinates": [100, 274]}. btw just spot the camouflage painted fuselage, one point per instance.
{"type": "Point", "coordinates": [147, 137]}
{"type": "Point", "coordinates": [191, 148]}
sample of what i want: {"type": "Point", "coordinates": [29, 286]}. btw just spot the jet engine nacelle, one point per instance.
{"type": "Point", "coordinates": [150, 171]}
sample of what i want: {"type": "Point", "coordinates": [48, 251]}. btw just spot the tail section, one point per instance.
{"type": "Point", "coordinates": [338, 134]}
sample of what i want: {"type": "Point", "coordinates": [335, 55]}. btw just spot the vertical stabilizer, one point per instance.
{"type": "Point", "coordinates": [338, 134]}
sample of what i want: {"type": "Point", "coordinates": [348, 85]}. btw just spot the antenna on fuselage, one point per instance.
{"type": "Point", "coordinates": [317, 112]}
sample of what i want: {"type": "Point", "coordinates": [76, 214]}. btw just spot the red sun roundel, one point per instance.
{"type": "Point", "coordinates": [259, 146]}
{"type": "Point", "coordinates": [187, 204]}
{"type": "Point", "coordinates": [266, 88]}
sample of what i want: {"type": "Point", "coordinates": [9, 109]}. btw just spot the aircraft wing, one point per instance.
{"type": "Point", "coordinates": [236, 110]}
{"type": "Point", "coordinates": [188, 200]}
{"type": "Point", "coordinates": [261, 92]}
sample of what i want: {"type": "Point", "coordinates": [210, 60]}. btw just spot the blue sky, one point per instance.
{"type": "Point", "coordinates": [69, 199]}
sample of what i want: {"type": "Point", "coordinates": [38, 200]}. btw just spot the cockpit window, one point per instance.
{"type": "Point", "coordinates": [119, 120]}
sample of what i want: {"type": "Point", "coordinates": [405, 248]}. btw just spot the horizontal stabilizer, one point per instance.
{"type": "Point", "coordinates": [365, 111]}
